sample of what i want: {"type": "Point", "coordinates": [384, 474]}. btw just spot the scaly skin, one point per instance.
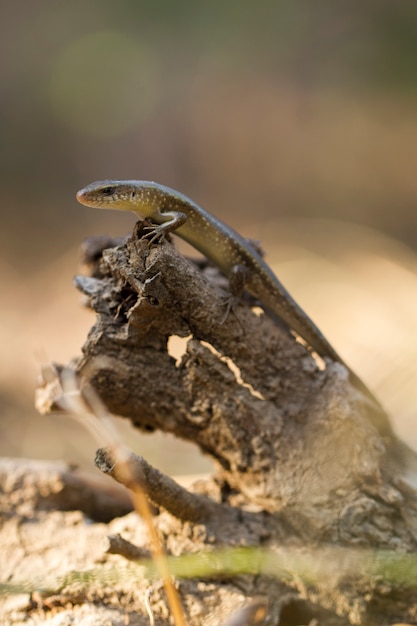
{"type": "Point", "coordinates": [171, 211]}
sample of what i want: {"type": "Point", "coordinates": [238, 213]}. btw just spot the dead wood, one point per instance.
{"type": "Point", "coordinates": [29, 485]}
{"type": "Point", "coordinates": [300, 458]}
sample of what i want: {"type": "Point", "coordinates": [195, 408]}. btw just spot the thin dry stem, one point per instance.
{"type": "Point", "coordinates": [100, 424]}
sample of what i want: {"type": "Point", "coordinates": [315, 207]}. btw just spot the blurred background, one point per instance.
{"type": "Point", "coordinates": [295, 122]}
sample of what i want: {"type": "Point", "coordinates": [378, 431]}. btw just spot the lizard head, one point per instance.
{"type": "Point", "coordinates": [144, 198]}
{"type": "Point", "coordinates": [113, 194]}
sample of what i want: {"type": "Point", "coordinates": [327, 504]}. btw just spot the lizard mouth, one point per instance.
{"type": "Point", "coordinates": [82, 197]}
{"type": "Point", "coordinates": [97, 195]}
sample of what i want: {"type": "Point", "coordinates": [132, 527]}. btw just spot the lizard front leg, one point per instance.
{"type": "Point", "coordinates": [175, 219]}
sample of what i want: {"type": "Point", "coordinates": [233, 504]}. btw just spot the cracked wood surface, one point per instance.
{"type": "Point", "coordinates": [298, 452]}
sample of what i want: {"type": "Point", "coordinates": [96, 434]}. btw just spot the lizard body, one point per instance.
{"type": "Point", "coordinates": [171, 211]}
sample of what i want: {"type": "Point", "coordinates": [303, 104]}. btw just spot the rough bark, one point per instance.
{"type": "Point", "coordinates": [301, 459]}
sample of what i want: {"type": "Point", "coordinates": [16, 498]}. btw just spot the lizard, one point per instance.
{"type": "Point", "coordinates": [238, 259]}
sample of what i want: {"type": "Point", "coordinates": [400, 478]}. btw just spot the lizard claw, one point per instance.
{"type": "Point", "coordinates": [230, 302]}
{"type": "Point", "coordinates": [154, 232]}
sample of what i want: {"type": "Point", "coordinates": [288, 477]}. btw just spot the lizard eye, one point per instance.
{"type": "Point", "coordinates": [107, 191]}
{"type": "Point", "coordinates": [133, 194]}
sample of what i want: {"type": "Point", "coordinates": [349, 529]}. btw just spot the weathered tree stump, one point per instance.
{"type": "Point", "coordinates": [302, 463]}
